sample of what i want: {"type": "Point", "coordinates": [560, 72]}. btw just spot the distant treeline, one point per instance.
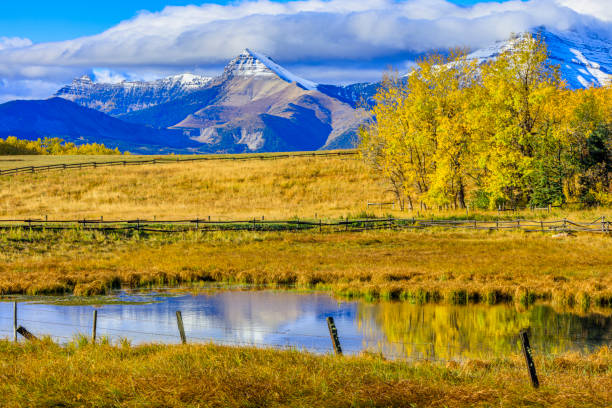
{"type": "Point", "coordinates": [507, 132]}
{"type": "Point", "coordinates": [51, 146]}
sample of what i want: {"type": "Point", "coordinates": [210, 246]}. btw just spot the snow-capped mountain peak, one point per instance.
{"type": "Point", "coordinates": [254, 64]}
{"type": "Point", "coordinates": [129, 96]}
{"type": "Point", "coordinates": [584, 58]}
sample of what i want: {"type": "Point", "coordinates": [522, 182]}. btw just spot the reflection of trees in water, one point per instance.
{"type": "Point", "coordinates": [477, 331]}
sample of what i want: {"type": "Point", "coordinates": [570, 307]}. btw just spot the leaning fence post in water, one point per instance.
{"type": "Point", "coordinates": [95, 325]}
{"type": "Point", "coordinates": [25, 333]}
{"type": "Point", "coordinates": [179, 322]}
{"type": "Point", "coordinates": [333, 332]}
{"type": "Point", "coordinates": [529, 358]}
{"type": "Point", "coordinates": [15, 322]}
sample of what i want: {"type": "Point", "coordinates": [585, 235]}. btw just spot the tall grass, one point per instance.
{"type": "Point", "coordinates": [43, 374]}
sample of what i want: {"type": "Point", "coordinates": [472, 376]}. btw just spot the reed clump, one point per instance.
{"type": "Point", "coordinates": [81, 374]}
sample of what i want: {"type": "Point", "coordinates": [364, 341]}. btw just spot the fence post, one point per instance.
{"type": "Point", "coordinates": [179, 322]}
{"type": "Point", "coordinates": [94, 327]}
{"type": "Point", "coordinates": [333, 333]}
{"type": "Point", "coordinates": [26, 334]}
{"type": "Point", "coordinates": [320, 226]}
{"type": "Point", "coordinates": [529, 358]}
{"type": "Point", "coordinates": [15, 322]}
{"type": "Point", "coordinates": [603, 224]}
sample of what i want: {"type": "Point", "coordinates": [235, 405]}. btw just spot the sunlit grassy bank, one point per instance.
{"type": "Point", "coordinates": [44, 374]}
{"type": "Point", "coordinates": [436, 265]}
{"type": "Point", "coordinates": [304, 187]}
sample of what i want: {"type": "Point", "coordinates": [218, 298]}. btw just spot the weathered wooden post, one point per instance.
{"type": "Point", "coordinates": [333, 333]}
{"type": "Point", "coordinates": [26, 334]}
{"type": "Point", "coordinates": [603, 224]}
{"type": "Point", "coordinates": [529, 358]}
{"type": "Point", "coordinates": [94, 327]}
{"type": "Point", "coordinates": [179, 322]}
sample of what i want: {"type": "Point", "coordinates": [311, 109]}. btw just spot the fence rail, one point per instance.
{"type": "Point", "coordinates": [601, 225]}
{"type": "Point", "coordinates": [166, 160]}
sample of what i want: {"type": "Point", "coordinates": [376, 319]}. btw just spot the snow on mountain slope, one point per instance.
{"type": "Point", "coordinates": [252, 63]}
{"type": "Point", "coordinates": [585, 59]}
{"type": "Point", "coordinates": [124, 97]}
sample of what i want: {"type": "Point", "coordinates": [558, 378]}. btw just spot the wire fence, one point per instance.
{"type": "Point", "coordinates": [601, 225]}
{"type": "Point", "coordinates": [167, 160]}
{"type": "Point", "coordinates": [165, 332]}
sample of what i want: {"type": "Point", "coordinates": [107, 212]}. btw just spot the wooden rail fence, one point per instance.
{"type": "Point", "coordinates": [601, 225]}
{"type": "Point", "coordinates": [166, 160]}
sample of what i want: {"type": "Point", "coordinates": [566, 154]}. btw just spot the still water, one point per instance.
{"type": "Point", "coordinates": [290, 319]}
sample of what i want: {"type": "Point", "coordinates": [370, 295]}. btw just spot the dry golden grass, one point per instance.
{"type": "Point", "coordinates": [241, 189]}
{"type": "Point", "coordinates": [420, 266]}
{"type": "Point", "coordinates": [304, 187]}
{"type": "Point", "coordinates": [43, 374]}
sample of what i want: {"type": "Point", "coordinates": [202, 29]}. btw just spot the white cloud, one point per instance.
{"type": "Point", "coordinates": [318, 35]}
{"type": "Point", "coordinates": [602, 9]}
{"type": "Point", "coordinates": [106, 76]}
{"type": "Point", "coordinates": [13, 42]}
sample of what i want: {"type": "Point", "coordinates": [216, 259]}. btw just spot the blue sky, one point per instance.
{"type": "Point", "coordinates": [44, 20]}
{"type": "Point", "coordinates": [45, 44]}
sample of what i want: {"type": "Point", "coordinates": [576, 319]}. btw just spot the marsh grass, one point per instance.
{"type": "Point", "coordinates": [417, 266]}
{"type": "Point", "coordinates": [43, 374]}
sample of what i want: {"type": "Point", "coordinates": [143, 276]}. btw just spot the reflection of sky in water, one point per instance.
{"type": "Point", "coordinates": [288, 319]}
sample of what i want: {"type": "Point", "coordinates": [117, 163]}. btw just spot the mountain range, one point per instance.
{"type": "Point", "coordinates": [255, 105]}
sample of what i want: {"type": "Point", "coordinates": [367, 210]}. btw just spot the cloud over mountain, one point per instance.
{"type": "Point", "coordinates": [318, 36]}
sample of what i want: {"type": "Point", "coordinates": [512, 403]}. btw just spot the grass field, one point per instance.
{"type": "Point", "coordinates": [440, 265]}
{"type": "Point", "coordinates": [304, 187]}
{"type": "Point", "coordinates": [420, 266]}
{"type": "Point", "coordinates": [43, 374]}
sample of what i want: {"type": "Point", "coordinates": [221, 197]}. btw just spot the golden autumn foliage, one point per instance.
{"type": "Point", "coordinates": [51, 146]}
{"type": "Point", "coordinates": [504, 132]}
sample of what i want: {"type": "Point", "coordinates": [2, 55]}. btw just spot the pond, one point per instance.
{"type": "Point", "coordinates": [292, 319]}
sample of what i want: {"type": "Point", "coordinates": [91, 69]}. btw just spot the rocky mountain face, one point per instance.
{"type": "Point", "coordinates": [124, 97]}
{"type": "Point", "coordinates": [257, 105]}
